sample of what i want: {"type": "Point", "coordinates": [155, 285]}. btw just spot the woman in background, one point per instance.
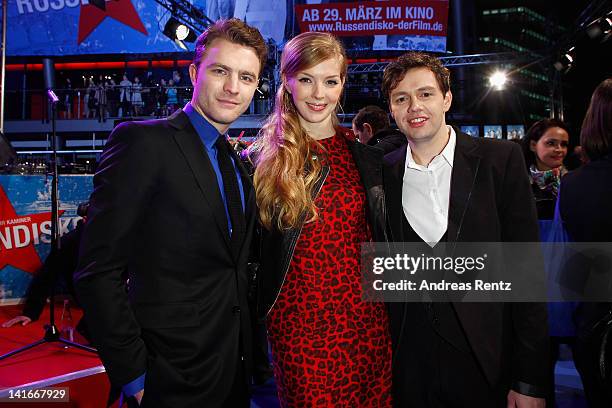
{"type": "Point", "coordinates": [137, 96]}
{"type": "Point", "coordinates": [545, 147]}
{"type": "Point", "coordinates": [585, 204]}
{"type": "Point", "coordinates": [171, 97]}
{"type": "Point", "coordinates": [91, 102]}
{"type": "Point", "coordinates": [314, 187]}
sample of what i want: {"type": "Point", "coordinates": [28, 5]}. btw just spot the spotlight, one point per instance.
{"type": "Point", "coordinates": [497, 80]}
{"type": "Point", "coordinates": [182, 32]}
{"type": "Point", "coordinates": [565, 62]}
{"type": "Point", "coordinates": [601, 28]}
{"type": "Point", "coordinates": [177, 31]}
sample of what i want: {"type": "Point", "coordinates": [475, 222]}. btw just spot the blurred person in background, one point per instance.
{"type": "Point", "coordinates": [137, 96]}
{"type": "Point", "coordinates": [112, 97]}
{"type": "Point", "coordinates": [150, 94]}
{"type": "Point", "coordinates": [585, 204]}
{"type": "Point", "coordinates": [576, 158]}
{"type": "Point", "coordinates": [162, 99]}
{"type": "Point", "coordinates": [171, 97]}
{"type": "Point", "coordinates": [545, 147]}
{"type": "Point", "coordinates": [67, 99]}
{"type": "Point", "coordinates": [91, 100]}
{"type": "Point", "coordinates": [371, 125]}
{"type": "Point", "coordinates": [101, 98]}
{"type": "Point", "coordinates": [125, 97]}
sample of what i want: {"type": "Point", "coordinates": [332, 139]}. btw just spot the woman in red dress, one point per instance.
{"type": "Point", "coordinates": [317, 191]}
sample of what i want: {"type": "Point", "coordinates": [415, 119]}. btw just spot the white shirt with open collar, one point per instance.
{"type": "Point", "coordinates": [426, 192]}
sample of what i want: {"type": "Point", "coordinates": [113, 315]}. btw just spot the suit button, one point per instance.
{"type": "Point", "coordinates": [236, 309]}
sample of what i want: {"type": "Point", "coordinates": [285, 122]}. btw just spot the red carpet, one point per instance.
{"type": "Point", "coordinates": [49, 365]}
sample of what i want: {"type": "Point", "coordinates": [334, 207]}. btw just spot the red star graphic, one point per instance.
{"type": "Point", "coordinates": [20, 254]}
{"type": "Point", "coordinates": [121, 10]}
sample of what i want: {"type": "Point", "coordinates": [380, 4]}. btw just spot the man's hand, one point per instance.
{"type": "Point", "coordinates": [516, 400]}
{"type": "Point", "coordinates": [24, 320]}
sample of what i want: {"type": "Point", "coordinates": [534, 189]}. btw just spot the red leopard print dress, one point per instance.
{"type": "Point", "coordinates": [330, 349]}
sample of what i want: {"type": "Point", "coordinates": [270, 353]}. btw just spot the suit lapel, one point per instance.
{"type": "Point", "coordinates": [463, 178]}
{"type": "Point", "coordinates": [195, 155]}
{"type": "Point", "coordinates": [393, 182]}
{"type": "Point", "coordinates": [394, 171]}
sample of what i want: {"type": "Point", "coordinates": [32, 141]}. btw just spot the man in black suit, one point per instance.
{"type": "Point", "coordinates": [447, 186]}
{"type": "Point", "coordinates": [173, 207]}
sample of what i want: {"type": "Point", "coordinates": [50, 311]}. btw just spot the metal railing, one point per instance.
{"type": "Point", "coordinates": [108, 102]}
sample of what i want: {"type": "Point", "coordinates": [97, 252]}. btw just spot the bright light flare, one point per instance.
{"type": "Point", "coordinates": [498, 80]}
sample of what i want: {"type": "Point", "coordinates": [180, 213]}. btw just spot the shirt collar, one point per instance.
{"type": "Point", "coordinates": [207, 132]}
{"type": "Point", "coordinates": [449, 150]}
{"type": "Point", "coordinates": [448, 153]}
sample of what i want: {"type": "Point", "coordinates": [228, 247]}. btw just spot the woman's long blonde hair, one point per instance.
{"type": "Point", "coordinates": [286, 166]}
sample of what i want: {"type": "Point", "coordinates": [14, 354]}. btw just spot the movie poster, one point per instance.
{"type": "Point", "coordinates": [73, 27]}
{"type": "Point", "coordinates": [25, 225]}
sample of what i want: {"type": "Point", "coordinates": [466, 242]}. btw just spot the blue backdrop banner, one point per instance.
{"type": "Point", "coordinates": [25, 225]}
{"type": "Point", "coordinates": [72, 27]}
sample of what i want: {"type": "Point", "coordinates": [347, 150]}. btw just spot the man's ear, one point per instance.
{"type": "Point", "coordinates": [448, 99]}
{"type": "Point", "coordinates": [193, 74]}
{"type": "Point", "coordinates": [368, 128]}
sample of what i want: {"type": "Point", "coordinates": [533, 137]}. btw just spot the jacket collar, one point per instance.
{"type": "Point", "coordinates": [463, 179]}
{"type": "Point", "coordinates": [179, 120]}
{"type": "Point", "coordinates": [393, 175]}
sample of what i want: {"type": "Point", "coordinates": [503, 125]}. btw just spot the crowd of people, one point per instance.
{"type": "Point", "coordinates": [109, 97]}
{"type": "Point", "coordinates": [214, 244]}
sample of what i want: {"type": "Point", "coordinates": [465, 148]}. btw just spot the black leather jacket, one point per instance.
{"type": "Point", "coordinates": [276, 247]}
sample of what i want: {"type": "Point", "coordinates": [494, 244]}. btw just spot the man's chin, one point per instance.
{"type": "Point", "coordinates": [226, 119]}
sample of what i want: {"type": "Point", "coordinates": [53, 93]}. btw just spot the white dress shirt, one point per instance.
{"type": "Point", "coordinates": [426, 192]}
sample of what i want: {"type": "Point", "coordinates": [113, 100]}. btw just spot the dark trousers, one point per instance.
{"type": "Point", "coordinates": [429, 372]}
{"type": "Point", "coordinates": [239, 395]}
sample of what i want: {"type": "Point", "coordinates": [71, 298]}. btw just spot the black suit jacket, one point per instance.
{"type": "Point", "coordinates": [490, 201]}
{"type": "Point", "coordinates": [156, 213]}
